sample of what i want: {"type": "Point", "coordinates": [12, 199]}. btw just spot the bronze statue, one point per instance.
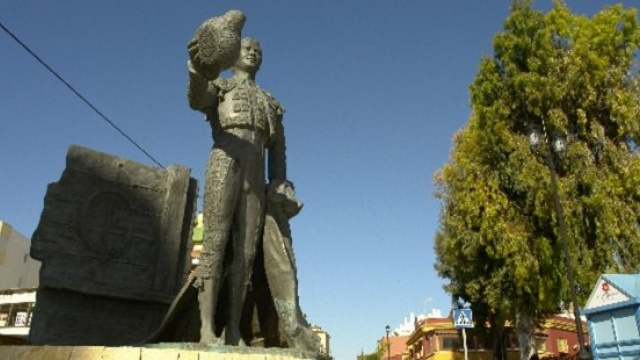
{"type": "Point", "coordinates": [246, 282]}
{"type": "Point", "coordinates": [245, 121]}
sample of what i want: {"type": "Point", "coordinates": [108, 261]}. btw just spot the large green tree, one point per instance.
{"type": "Point", "coordinates": [498, 242]}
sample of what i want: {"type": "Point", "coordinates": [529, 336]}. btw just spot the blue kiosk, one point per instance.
{"type": "Point", "coordinates": [613, 314]}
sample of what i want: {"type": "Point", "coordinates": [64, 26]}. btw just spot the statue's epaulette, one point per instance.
{"type": "Point", "coordinates": [224, 84]}
{"type": "Point", "coordinates": [274, 103]}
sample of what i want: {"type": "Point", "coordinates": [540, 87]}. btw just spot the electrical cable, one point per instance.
{"type": "Point", "coordinates": [104, 117]}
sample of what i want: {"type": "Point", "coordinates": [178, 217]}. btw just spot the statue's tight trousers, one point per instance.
{"type": "Point", "coordinates": [233, 210]}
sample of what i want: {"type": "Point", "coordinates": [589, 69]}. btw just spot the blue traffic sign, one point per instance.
{"type": "Point", "coordinates": [462, 318]}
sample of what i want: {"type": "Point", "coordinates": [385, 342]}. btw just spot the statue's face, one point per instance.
{"type": "Point", "coordinates": [250, 56]}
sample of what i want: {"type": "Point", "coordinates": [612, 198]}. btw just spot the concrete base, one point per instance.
{"type": "Point", "coordinates": [155, 352]}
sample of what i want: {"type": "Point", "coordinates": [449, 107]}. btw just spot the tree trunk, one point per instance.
{"type": "Point", "coordinates": [525, 332]}
{"type": "Point", "coordinates": [499, 349]}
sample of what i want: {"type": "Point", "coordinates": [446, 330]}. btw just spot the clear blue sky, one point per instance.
{"type": "Point", "coordinates": [374, 91]}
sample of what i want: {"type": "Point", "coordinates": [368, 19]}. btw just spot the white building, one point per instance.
{"type": "Point", "coordinates": [17, 268]}
{"type": "Point", "coordinates": [18, 283]}
{"type": "Point", "coordinates": [324, 339]}
{"type": "Point", "coordinates": [16, 306]}
{"type": "Point", "coordinates": [409, 324]}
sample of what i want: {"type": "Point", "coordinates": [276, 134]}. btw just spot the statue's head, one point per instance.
{"type": "Point", "coordinates": [250, 56]}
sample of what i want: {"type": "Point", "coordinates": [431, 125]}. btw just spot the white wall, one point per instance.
{"type": "Point", "coordinates": [17, 268]}
{"type": "Point", "coordinates": [324, 339]}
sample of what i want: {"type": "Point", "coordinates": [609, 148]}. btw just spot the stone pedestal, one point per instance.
{"type": "Point", "coordinates": [10, 352]}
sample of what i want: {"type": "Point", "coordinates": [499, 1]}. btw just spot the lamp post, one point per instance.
{"type": "Point", "coordinates": [388, 329]}
{"type": "Point", "coordinates": [558, 145]}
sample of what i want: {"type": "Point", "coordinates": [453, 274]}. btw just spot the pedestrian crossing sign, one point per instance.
{"type": "Point", "coordinates": [462, 319]}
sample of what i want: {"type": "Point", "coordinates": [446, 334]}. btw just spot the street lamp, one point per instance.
{"type": "Point", "coordinates": [558, 145]}
{"type": "Point", "coordinates": [388, 329]}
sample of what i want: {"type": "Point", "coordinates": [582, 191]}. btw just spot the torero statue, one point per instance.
{"type": "Point", "coordinates": [245, 285]}
{"type": "Point", "coordinates": [247, 129]}
{"type": "Point", "coordinates": [245, 120]}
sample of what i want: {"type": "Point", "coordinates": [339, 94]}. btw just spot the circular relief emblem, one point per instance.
{"type": "Point", "coordinates": [106, 223]}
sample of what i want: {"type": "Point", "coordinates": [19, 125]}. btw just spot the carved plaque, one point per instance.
{"type": "Point", "coordinates": [115, 234]}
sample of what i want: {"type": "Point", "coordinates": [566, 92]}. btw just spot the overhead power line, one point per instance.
{"type": "Point", "coordinates": [104, 117]}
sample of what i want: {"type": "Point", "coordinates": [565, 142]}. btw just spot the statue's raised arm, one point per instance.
{"type": "Point", "coordinates": [214, 47]}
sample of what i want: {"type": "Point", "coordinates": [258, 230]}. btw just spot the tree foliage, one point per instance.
{"type": "Point", "coordinates": [498, 241]}
{"type": "Point", "coordinates": [372, 356]}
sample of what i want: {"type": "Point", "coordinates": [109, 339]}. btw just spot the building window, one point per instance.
{"type": "Point", "coordinates": [21, 319]}
{"type": "Point", "coordinates": [19, 314]}
{"type": "Point", "coordinates": [15, 314]}
{"type": "Point", "coordinates": [449, 343]}
{"type": "Point", "coordinates": [563, 346]}
{"type": "Point", "coordinates": [541, 344]}
{"type": "Point", "coordinates": [5, 309]}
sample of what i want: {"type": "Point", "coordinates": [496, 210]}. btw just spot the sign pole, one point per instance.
{"type": "Point", "coordinates": [464, 343]}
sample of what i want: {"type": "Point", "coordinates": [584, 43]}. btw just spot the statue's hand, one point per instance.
{"type": "Point", "coordinates": [193, 48]}
{"type": "Point", "coordinates": [281, 192]}
{"type": "Point", "coordinates": [276, 186]}
{"type": "Point", "coordinates": [195, 66]}
{"type": "Point", "coordinates": [196, 75]}
{"type": "Point", "coordinates": [192, 69]}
